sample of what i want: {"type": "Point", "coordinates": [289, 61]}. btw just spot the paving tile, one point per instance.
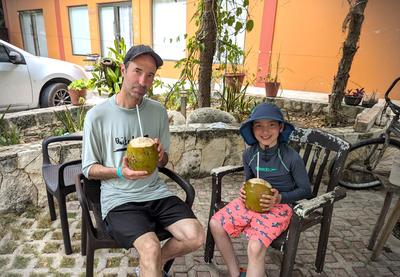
{"type": "Point", "coordinates": [33, 245]}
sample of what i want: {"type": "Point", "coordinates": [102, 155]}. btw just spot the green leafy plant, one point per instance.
{"type": "Point", "coordinates": [232, 19]}
{"type": "Point", "coordinates": [107, 76]}
{"type": "Point", "coordinates": [79, 84]}
{"type": "Point", "coordinates": [228, 24]}
{"type": "Point", "coordinates": [371, 98]}
{"type": "Point", "coordinates": [9, 134]}
{"type": "Point", "coordinates": [273, 72]}
{"type": "Point", "coordinates": [72, 121]}
{"type": "Point", "coordinates": [234, 100]}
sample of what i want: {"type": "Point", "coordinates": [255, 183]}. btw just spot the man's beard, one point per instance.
{"type": "Point", "coordinates": [137, 87]}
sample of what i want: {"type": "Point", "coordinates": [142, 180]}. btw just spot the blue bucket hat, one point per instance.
{"type": "Point", "coordinates": [265, 111]}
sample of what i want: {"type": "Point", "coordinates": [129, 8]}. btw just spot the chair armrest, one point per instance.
{"type": "Point", "coordinates": [306, 207]}
{"type": "Point", "coordinates": [62, 168]}
{"type": "Point", "coordinates": [49, 140]}
{"type": "Point", "coordinates": [220, 172]}
{"type": "Point", "coordinates": [186, 186]}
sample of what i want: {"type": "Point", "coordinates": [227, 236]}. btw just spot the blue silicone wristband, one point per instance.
{"type": "Point", "coordinates": [119, 172]}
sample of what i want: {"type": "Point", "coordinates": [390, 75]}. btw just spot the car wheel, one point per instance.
{"type": "Point", "coordinates": [55, 95]}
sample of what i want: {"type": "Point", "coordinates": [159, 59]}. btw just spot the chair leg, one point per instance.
{"type": "Point", "coordinates": [290, 248]}
{"type": "Point", "coordinates": [64, 225]}
{"type": "Point", "coordinates": [83, 236]}
{"type": "Point", "coordinates": [168, 265]}
{"type": "Point", "coordinates": [387, 229]}
{"type": "Point", "coordinates": [50, 201]}
{"type": "Point", "coordinates": [89, 261]}
{"type": "Point", "coordinates": [209, 246]}
{"type": "Point", "coordinates": [323, 238]}
{"type": "Point", "coordinates": [381, 220]}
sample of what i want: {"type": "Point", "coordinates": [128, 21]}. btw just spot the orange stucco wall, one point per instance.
{"type": "Point", "coordinates": [13, 25]}
{"type": "Point", "coordinates": [308, 38]}
{"type": "Point", "coordinates": [306, 35]}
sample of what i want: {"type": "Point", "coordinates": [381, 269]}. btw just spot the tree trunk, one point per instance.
{"type": "Point", "coordinates": [207, 36]}
{"type": "Point", "coordinates": [354, 20]}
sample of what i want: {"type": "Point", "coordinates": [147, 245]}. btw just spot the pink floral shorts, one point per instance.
{"type": "Point", "coordinates": [264, 227]}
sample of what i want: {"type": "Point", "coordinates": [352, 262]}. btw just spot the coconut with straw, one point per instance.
{"type": "Point", "coordinates": [142, 152]}
{"type": "Point", "coordinates": [255, 188]}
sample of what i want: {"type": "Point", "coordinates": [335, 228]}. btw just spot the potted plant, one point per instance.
{"type": "Point", "coordinates": [271, 80]}
{"type": "Point", "coordinates": [77, 89]}
{"type": "Point", "coordinates": [235, 76]}
{"type": "Point", "coordinates": [354, 97]}
{"type": "Point", "coordinates": [369, 100]}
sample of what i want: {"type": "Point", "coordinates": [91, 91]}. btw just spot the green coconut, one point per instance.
{"type": "Point", "coordinates": [254, 188]}
{"type": "Point", "coordinates": [142, 154]}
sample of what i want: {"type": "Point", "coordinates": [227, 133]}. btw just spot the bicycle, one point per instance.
{"type": "Point", "coordinates": [372, 158]}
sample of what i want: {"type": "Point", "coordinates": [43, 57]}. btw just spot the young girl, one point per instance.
{"type": "Point", "coordinates": [267, 134]}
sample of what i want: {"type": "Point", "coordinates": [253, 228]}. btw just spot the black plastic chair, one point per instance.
{"type": "Point", "coordinates": [59, 180]}
{"type": "Point", "coordinates": [318, 149]}
{"type": "Point", "coordinates": [94, 235]}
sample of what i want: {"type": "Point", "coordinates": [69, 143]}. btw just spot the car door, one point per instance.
{"type": "Point", "coordinates": [15, 81]}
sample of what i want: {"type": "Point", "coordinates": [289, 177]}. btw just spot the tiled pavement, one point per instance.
{"type": "Point", "coordinates": [31, 245]}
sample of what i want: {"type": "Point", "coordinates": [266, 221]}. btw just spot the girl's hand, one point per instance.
{"type": "Point", "coordinates": [130, 174]}
{"type": "Point", "coordinates": [242, 194]}
{"type": "Point", "coordinates": [268, 201]}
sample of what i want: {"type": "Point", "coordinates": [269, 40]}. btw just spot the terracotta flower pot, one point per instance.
{"type": "Point", "coordinates": [75, 95]}
{"type": "Point", "coordinates": [234, 80]}
{"type": "Point", "coordinates": [271, 88]}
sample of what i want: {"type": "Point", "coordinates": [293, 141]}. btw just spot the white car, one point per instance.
{"type": "Point", "coordinates": [28, 81]}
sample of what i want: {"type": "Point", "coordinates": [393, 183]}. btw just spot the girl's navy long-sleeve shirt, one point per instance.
{"type": "Point", "coordinates": [282, 167]}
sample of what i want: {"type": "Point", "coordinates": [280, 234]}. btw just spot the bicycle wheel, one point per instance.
{"type": "Point", "coordinates": [363, 163]}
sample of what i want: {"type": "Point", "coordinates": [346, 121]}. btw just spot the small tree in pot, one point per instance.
{"type": "Point", "coordinates": [271, 80]}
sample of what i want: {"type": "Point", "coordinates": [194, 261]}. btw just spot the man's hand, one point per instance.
{"type": "Point", "coordinates": [268, 201]}
{"type": "Point", "coordinates": [130, 174]}
{"type": "Point", "coordinates": [162, 156]}
{"type": "Point", "coordinates": [160, 149]}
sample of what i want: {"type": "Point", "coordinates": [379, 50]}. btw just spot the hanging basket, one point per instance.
{"type": "Point", "coordinates": [352, 100]}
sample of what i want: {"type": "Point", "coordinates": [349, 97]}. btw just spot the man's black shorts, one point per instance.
{"type": "Point", "coordinates": [129, 221]}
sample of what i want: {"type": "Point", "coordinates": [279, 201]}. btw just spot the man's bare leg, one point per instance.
{"type": "Point", "coordinates": [149, 249]}
{"type": "Point", "coordinates": [187, 236]}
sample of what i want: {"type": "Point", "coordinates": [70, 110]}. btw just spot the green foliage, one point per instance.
{"type": "Point", "coordinates": [79, 84]}
{"type": "Point", "coordinates": [9, 134]}
{"type": "Point", "coordinates": [234, 100]}
{"type": "Point", "coordinates": [228, 24]}
{"type": "Point", "coordinates": [273, 73]}
{"type": "Point", "coordinates": [232, 19]}
{"type": "Point", "coordinates": [72, 121]}
{"type": "Point", "coordinates": [107, 76]}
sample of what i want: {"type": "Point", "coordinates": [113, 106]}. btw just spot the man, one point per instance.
{"type": "Point", "coordinates": [132, 201]}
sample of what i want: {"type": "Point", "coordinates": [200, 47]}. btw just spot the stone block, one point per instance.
{"type": "Point", "coordinates": [210, 115]}
{"type": "Point", "coordinates": [366, 119]}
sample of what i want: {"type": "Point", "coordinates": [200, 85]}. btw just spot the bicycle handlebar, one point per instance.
{"type": "Point", "coordinates": [392, 106]}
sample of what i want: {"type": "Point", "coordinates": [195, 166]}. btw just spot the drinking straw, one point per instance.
{"type": "Point", "coordinates": [140, 124]}
{"type": "Point", "coordinates": [258, 164]}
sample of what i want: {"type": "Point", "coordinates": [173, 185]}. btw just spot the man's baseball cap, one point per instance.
{"type": "Point", "coordinates": [141, 49]}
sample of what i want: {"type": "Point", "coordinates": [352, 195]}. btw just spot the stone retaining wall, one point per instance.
{"type": "Point", "coordinates": [195, 150]}
{"type": "Point", "coordinates": [39, 123]}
